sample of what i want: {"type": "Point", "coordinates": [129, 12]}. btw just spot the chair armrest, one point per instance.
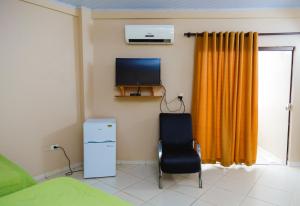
{"type": "Point", "coordinates": [159, 150]}
{"type": "Point", "coordinates": [198, 149]}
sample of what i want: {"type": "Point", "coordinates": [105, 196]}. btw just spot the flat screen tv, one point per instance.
{"type": "Point", "coordinates": [138, 71]}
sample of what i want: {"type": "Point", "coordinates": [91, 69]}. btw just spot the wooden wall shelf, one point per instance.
{"type": "Point", "coordinates": [145, 90]}
{"type": "Point", "coordinates": [144, 96]}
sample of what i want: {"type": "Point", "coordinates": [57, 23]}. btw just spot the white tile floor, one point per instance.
{"type": "Point", "coordinates": [238, 185]}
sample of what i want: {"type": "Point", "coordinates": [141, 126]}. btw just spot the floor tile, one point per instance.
{"type": "Point", "coordinates": [202, 203]}
{"type": "Point", "coordinates": [142, 171]}
{"type": "Point", "coordinates": [295, 199]}
{"type": "Point", "coordinates": [90, 181]}
{"type": "Point", "coordinates": [190, 180]}
{"type": "Point", "coordinates": [105, 187]}
{"type": "Point", "coordinates": [222, 197]}
{"type": "Point", "coordinates": [79, 176]}
{"type": "Point", "coordinates": [60, 174]}
{"type": "Point", "coordinates": [254, 202]}
{"type": "Point", "coordinates": [271, 195]}
{"type": "Point", "coordinates": [146, 204]}
{"type": "Point", "coordinates": [121, 181]}
{"type": "Point", "coordinates": [210, 174]}
{"type": "Point", "coordinates": [193, 191]}
{"type": "Point", "coordinates": [236, 185]}
{"type": "Point", "coordinates": [167, 180]}
{"type": "Point", "coordinates": [280, 177]}
{"type": "Point", "coordinates": [242, 172]}
{"type": "Point", "coordinates": [171, 198]}
{"type": "Point", "coordinates": [129, 198]}
{"type": "Point", "coordinates": [143, 190]}
{"type": "Point", "coordinates": [126, 167]}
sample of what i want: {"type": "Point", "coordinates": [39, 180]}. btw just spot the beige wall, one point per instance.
{"type": "Point", "coordinates": [39, 88]}
{"type": "Point", "coordinates": [138, 119]}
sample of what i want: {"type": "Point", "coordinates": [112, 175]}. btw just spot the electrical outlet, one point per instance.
{"type": "Point", "coordinates": [180, 96]}
{"type": "Point", "coordinates": [54, 146]}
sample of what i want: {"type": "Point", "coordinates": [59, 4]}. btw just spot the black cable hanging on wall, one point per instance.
{"type": "Point", "coordinates": [164, 99]}
{"type": "Point", "coordinates": [71, 171]}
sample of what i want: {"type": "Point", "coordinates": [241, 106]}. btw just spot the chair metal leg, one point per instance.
{"type": "Point", "coordinates": [159, 178]}
{"type": "Point", "coordinates": [200, 177]}
{"type": "Point", "coordinates": [200, 180]}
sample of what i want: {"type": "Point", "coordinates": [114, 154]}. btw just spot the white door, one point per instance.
{"type": "Point", "coordinates": [273, 116]}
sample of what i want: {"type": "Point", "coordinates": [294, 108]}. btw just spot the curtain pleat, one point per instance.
{"type": "Point", "coordinates": [224, 104]}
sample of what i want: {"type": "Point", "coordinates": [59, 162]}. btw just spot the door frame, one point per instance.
{"type": "Point", "coordinates": [292, 49]}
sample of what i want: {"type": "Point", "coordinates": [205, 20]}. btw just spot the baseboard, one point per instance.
{"type": "Point", "coordinates": [294, 164]}
{"type": "Point", "coordinates": [80, 164]}
{"type": "Point", "coordinates": [137, 162]}
{"type": "Point", "coordinates": [57, 171]}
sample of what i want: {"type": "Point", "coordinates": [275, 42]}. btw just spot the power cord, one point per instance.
{"type": "Point", "coordinates": [181, 99]}
{"type": "Point", "coordinates": [71, 172]}
{"type": "Point", "coordinates": [164, 99]}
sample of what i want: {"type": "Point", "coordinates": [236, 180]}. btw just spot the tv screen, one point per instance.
{"type": "Point", "coordinates": [137, 71]}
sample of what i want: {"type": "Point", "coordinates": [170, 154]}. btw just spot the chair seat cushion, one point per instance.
{"type": "Point", "coordinates": [180, 161]}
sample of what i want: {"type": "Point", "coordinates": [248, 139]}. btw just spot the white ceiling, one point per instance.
{"type": "Point", "coordinates": [183, 4]}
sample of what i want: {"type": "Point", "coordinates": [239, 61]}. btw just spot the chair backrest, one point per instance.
{"type": "Point", "coordinates": [176, 130]}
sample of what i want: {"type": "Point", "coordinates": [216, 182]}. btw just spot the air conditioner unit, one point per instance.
{"type": "Point", "coordinates": [149, 34]}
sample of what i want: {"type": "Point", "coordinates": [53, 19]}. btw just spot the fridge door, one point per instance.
{"type": "Point", "coordinates": [99, 132]}
{"type": "Point", "coordinates": [99, 159]}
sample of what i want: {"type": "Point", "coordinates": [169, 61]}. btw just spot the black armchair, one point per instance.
{"type": "Point", "coordinates": [176, 152]}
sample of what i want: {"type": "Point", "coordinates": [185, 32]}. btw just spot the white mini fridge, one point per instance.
{"type": "Point", "coordinates": [99, 139]}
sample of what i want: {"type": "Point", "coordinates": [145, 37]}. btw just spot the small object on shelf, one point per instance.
{"type": "Point", "coordinates": [135, 94]}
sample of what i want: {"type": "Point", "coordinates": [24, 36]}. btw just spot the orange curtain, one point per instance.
{"type": "Point", "coordinates": [225, 92]}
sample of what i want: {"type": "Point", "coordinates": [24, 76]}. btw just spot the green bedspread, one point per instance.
{"type": "Point", "coordinates": [63, 191]}
{"type": "Point", "coordinates": [12, 177]}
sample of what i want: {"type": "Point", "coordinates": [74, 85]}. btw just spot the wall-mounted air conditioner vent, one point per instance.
{"type": "Point", "coordinates": [149, 34]}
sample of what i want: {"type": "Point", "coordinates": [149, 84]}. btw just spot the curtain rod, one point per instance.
{"type": "Point", "coordinates": [190, 34]}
